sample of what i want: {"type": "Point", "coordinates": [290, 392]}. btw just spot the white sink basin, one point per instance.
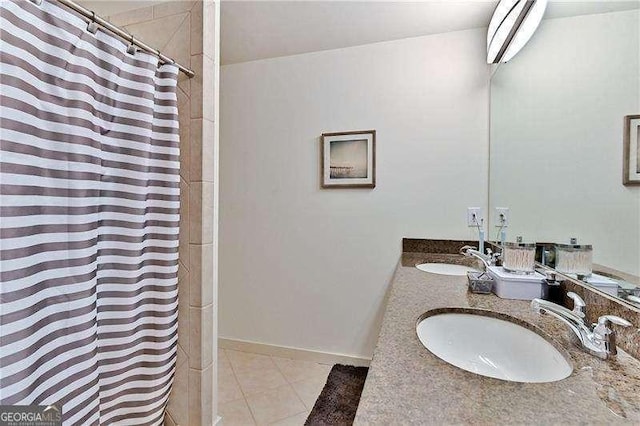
{"type": "Point", "coordinates": [445, 269]}
{"type": "Point", "coordinates": [492, 347]}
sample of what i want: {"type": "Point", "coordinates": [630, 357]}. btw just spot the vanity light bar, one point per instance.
{"type": "Point", "coordinates": [528, 4]}
{"type": "Point", "coordinates": [512, 25]}
{"type": "Point", "coordinates": [503, 18]}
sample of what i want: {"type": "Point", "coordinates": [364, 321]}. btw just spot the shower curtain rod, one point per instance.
{"type": "Point", "coordinates": [121, 33]}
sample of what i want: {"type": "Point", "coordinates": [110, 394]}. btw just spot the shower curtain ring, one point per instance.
{"type": "Point", "coordinates": [93, 25]}
{"type": "Point", "coordinates": [132, 45]}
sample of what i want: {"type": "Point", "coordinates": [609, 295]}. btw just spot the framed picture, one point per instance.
{"type": "Point", "coordinates": [631, 149]}
{"type": "Point", "coordinates": [348, 159]}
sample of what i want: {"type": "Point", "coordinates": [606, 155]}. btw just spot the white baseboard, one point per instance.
{"type": "Point", "coordinates": [292, 353]}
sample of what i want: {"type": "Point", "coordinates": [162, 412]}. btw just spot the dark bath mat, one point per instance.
{"type": "Point", "coordinates": [338, 401]}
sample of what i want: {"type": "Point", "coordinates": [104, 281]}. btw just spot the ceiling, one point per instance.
{"type": "Point", "coordinates": [252, 30]}
{"type": "Point", "coordinates": [265, 29]}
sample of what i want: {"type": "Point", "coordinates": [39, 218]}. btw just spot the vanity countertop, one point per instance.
{"type": "Point", "coordinates": [407, 384]}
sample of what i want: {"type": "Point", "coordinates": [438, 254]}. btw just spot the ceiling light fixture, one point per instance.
{"type": "Point", "coordinates": [512, 25]}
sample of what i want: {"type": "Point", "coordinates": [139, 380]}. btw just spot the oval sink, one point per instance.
{"type": "Point", "coordinates": [445, 268]}
{"type": "Point", "coordinates": [492, 347]}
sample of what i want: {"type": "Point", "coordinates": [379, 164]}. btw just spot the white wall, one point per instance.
{"type": "Point", "coordinates": [556, 136]}
{"type": "Point", "coordinates": [308, 268]}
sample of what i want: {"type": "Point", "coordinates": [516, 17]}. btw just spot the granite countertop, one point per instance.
{"type": "Point", "coordinates": [407, 384]}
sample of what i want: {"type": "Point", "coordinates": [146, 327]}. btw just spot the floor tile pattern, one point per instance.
{"type": "Point", "coordinates": [256, 389]}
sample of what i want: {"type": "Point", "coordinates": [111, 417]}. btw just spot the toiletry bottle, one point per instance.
{"type": "Point", "coordinates": [556, 294]}
{"type": "Point", "coordinates": [544, 289]}
{"type": "Point", "coordinates": [551, 289]}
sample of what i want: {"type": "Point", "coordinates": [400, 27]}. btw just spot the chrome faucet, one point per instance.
{"type": "Point", "coordinates": [488, 259]}
{"type": "Point", "coordinates": [599, 339]}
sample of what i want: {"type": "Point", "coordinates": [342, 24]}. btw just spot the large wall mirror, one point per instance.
{"type": "Point", "coordinates": [557, 111]}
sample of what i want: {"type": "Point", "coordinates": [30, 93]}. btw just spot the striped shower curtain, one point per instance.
{"type": "Point", "coordinates": [89, 213]}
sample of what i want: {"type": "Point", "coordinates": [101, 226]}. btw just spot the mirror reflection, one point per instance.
{"type": "Point", "coordinates": [557, 121]}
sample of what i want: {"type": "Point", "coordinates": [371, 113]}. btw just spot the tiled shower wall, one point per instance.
{"type": "Point", "coordinates": [186, 32]}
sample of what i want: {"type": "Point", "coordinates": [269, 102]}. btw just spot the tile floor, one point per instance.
{"type": "Point", "coordinates": [258, 389]}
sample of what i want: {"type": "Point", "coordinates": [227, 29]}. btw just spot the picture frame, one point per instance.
{"type": "Point", "coordinates": [348, 159]}
{"type": "Point", "coordinates": [631, 151]}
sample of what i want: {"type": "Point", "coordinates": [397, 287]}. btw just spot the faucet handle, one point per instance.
{"type": "Point", "coordinates": [606, 319]}
{"type": "Point", "coordinates": [578, 304]}
{"type": "Point", "coordinates": [465, 250]}
{"type": "Point", "coordinates": [603, 333]}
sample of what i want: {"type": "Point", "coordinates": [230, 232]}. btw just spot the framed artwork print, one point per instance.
{"type": "Point", "coordinates": [631, 149]}
{"type": "Point", "coordinates": [348, 159]}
